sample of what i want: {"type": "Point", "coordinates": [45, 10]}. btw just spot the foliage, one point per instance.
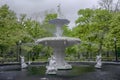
{"type": "Point", "coordinates": [96, 28]}
{"type": "Point", "coordinates": [50, 17]}
{"type": "Point", "coordinates": [67, 31]}
{"type": "Point", "coordinates": [14, 30]}
{"type": "Point", "coordinates": [92, 28]}
{"type": "Point", "coordinates": [10, 29]}
{"type": "Point", "coordinates": [47, 26]}
{"type": "Point", "coordinates": [33, 28]}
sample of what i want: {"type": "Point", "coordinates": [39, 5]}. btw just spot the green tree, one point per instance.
{"type": "Point", "coordinates": [92, 28]}
{"type": "Point", "coordinates": [47, 26]}
{"type": "Point", "coordinates": [67, 31]}
{"type": "Point", "coordinates": [114, 28]}
{"type": "Point", "coordinates": [10, 30]}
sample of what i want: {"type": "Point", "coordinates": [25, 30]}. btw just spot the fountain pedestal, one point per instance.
{"type": "Point", "coordinates": [59, 53]}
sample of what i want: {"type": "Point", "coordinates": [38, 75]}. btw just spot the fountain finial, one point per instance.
{"type": "Point", "coordinates": [60, 15]}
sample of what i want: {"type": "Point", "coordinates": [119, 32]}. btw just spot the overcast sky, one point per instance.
{"type": "Point", "coordinates": [37, 8]}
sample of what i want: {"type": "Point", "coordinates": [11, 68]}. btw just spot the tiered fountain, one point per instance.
{"type": "Point", "coordinates": [59, 43]}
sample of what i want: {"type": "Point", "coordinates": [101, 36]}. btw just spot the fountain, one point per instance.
{"type": "Point", "coordinates": [59, 43]}
{"type": "Point", "coordinates": [79, 71]}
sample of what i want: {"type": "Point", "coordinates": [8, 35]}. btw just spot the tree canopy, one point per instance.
{"type": "Point", "coordinates": [97, 29]}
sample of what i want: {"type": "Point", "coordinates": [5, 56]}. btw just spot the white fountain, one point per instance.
{"type": "Point", "coordinates": [23, 64]}
{"type": "Point", "coordinates": [98, 62]}
{"type": "Point", "coordinates": [59, 43]}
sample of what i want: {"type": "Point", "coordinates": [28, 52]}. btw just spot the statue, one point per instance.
{"type": "Point", "coordinates": [98, 60]}
{"type": "Point", "coordinates": [60, 15]}
{"type": "Point", "coordinates": [23, 64]}
{"type": "Point", "coordinates": [51, 68]}
{"type": "Point", "coordinates": [29, 62]}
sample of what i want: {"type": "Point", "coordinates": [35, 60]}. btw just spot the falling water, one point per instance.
{"type": "Point", "coordinates": [59, 22]}
{"type": "Point", "coordinates": [59, 31]}
{"type": "Point", "coordinates": [59, 44]}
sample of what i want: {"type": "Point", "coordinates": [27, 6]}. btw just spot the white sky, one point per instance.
{"type": "Point", "coordinates": [37, 8]}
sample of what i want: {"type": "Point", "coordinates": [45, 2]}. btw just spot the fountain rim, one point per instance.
{"type": "Point", "coordinates": [57, 39]}
{"type": "Point", "coordinates": [59, 21]}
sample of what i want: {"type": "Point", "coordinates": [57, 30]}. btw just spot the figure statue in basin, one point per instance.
{"type": "Point", "coordinates": [23, 64]}
{"type": "Point", "coordinates": [98, 60]}
{"type": "Point", "coordinates": [51, 68]}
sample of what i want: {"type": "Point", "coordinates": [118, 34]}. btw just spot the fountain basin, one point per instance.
{"type": "Point", "coordinates": [59, 45]}
{"type": "Point", "coordinates": [58, 41]}
{"type": "Point", "coordinates": [74, 72]}
{"type": "Point", "coordinates": [80, 71]}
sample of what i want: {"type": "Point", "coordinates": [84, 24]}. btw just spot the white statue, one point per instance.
{"type": "Point", "coordinates": [98, 60]}
{"type": "Point", "coordinates": [51, 68]}
{"type": "Point", "coordinates": [29, 62]}
{"type": "Point", "coordinates": [23, 64]}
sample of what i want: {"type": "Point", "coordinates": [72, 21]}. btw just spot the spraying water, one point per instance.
{"type": "Point", "coordinates": [59, 44]}
{"type": "Point", "coordinates": [59, 22]}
